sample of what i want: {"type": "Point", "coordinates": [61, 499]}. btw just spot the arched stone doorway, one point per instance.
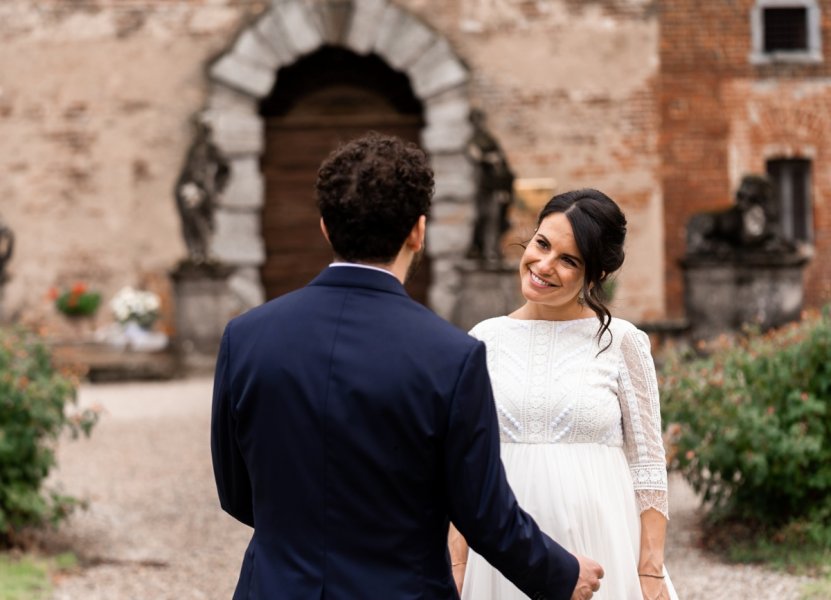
{"type": "Point", "coordinates": [324, 99]}
{"type": "Point", "coordinates": [243, 79]}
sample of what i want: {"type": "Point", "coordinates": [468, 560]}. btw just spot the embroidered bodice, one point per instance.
{"type": "Point", "coordinates": [552, 387]}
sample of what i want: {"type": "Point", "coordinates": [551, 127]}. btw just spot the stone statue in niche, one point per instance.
{"type": "Point", "coordinates": [6, 249]}
{"type": "Point", "coordinates": [203, 178]}
{"type": "Point", "coordinates": [494, 191]}
{"type": "Point", "coordinates": [751, 224]}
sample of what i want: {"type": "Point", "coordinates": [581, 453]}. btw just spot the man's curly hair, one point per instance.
{"type": "Point", "coordinates": [371, 192]}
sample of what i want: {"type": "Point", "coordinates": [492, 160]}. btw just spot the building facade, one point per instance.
{"type": "Point", "coordinates": [745, 88]}
{"type": "Point", "coordinates": [659, 104]}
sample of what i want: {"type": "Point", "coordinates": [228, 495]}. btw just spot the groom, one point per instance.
{"type": "Point", "coordinates": [350, 424]}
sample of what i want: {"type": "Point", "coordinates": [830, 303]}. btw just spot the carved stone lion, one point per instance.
{"type": "Point", "coordinates": [752, 223]}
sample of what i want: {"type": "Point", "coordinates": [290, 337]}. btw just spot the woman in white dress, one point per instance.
{"type": "Point", "coordinates": [577, 401]}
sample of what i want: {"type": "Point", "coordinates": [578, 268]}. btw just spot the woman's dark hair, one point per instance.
{"type": "Point", "coordinates": [371, 192]}
{"type": "Point", "coordinates": [599, 231]}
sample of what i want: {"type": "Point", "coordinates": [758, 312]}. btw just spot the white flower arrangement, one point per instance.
{"type": "Point", "coordinates": [139, 306]}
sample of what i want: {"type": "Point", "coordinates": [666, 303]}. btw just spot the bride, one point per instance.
{"type": "Point", "coordinates": [577, 401]}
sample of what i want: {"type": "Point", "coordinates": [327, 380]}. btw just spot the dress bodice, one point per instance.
{"type": "Point", "coordinates": [555, 382]}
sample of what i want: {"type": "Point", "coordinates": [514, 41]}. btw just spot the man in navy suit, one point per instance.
{"type": "Point", "coordinates": [350, 424]}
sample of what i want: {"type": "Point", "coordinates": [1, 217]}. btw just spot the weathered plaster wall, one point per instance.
{"type": "Point", "coordinates": [95, 107]}
{"type": "Point", "coordinates": [569, 89]}
{"type": "Point", "coordinates": [96, 97]}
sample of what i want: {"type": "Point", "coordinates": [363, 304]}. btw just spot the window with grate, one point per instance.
{"type": "Point", "coordinates": [791, 178]}
{"type": "Point", "coordinates": [785, 29]}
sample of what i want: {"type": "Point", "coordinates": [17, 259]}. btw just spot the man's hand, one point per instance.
{"type": "Point", "coordinates": [588, 581]}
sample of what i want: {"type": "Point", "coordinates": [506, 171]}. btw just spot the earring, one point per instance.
{"type": "Point", "coordinates": [581, 298]}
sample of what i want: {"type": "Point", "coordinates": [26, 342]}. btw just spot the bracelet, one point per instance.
{"type": "Point", "coordinates": [650, 575]}
{"type": "Point", "coordinates": [458, 563]}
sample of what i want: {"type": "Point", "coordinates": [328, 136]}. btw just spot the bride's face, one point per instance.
{"type": "Point", "coordinates": [551, 269]}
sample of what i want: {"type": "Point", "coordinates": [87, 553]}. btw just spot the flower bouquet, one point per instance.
{"type": "Point", "coordinates": [77, 301]}
{"type": "Point", "coordinates": [136, 306]}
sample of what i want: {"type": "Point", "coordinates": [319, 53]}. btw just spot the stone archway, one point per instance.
{"type": "Point", "coordinates": [246, 74]}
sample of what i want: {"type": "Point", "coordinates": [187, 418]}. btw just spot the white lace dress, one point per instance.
{"type": "Point", "coordinates": [581, 442]}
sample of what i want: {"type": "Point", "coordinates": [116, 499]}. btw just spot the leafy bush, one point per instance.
{"type": "Point", "coordinates": [752, 428]}
{"type": "Point", "coordinates": [34, 399]}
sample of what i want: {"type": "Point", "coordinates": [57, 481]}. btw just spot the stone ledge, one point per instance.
{"type": "Point", "coordinates": [102, 362]}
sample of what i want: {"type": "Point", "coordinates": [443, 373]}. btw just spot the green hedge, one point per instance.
{"type": "Point", "coordinates": [751, 427]}
{"type": "Point", "coordinates": [34, 403]}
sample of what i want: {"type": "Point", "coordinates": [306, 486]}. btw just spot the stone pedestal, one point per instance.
{"type": "Point", "coordinates": [485, 291]}
{"type": "Point", "coordinates": [723, 293]}
{"type": "Point", "coordinates": [204, 306]}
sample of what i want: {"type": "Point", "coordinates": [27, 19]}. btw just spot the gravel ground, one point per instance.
{"type": "Point", "coordinates": [154, 530]}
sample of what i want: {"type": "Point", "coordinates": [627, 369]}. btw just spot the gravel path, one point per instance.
{"type": "Point", "coordinates": [154, 530]}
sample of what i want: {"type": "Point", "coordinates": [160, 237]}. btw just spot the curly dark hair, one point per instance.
{"type": "Point", "coordinates": [371, 192]}
{"type": "Point", "coordinates": [599, 231]}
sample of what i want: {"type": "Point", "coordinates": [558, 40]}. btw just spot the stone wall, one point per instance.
{"type": "Point", "coordinates": [95, 106]}
{"type": "Point", "coordinates": [97, 97]}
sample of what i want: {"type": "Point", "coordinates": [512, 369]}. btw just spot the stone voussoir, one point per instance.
{"type": "Point", "coordinates": [239, 73]}
{"type": "Point", "coordinates": [236, 239]}
{"type": "Point", "coordinates": [246, 188]}
{"type": "Point", "coordinates": [450, 137]}
{"type": "Point", "coordinates": [363, 30]}
{"type": "Point", "coordinates": [449, 106]}
{"type": "Point", "coordinates": [272, 33]}
{"type": "Point", "coordinates": [436, 70]}
{"type": "Point", "coordinates": [251, 46]}
{"type": "Point", "coordinates": [299, 25]}
{"type": "Point", "coordinates": [402, 38]}
{"type": "Point", "coordinates": [454, 177]}
{"type": "Point", "coordinates": [235, 133]}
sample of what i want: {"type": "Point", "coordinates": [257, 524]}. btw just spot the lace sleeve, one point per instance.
{"type": "Point", "coordinates": [641, 412]}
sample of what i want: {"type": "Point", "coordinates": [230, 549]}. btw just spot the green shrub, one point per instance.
{"type": "Point", "coordinates": [752, 429]}
{"type": "Point", "coordinates": [34, 403]}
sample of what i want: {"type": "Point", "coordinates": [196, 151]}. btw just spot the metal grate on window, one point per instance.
{"type": "Point", "coordinates": [786, 29]}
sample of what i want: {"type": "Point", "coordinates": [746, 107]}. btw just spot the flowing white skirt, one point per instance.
{"type": "Point", "coordinates": [582, 496]}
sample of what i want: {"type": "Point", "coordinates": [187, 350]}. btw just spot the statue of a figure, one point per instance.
{"type": "Point", "coordinates": [203, 178]}
{"type": "Point", "coordinates": [752, 223]}
{"type": "Point", "coordinates": [6, 249]}
{"type": "Point", "coordinates": [494, 191]}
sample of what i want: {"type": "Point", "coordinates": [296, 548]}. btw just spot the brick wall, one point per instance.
{"type": "Point", "coordinates": [723, 117]}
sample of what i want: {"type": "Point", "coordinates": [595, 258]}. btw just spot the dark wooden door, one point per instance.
{"type": "Point", "coordinates": [296, 144]}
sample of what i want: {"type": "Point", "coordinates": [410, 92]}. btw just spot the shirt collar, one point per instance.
{"type": "Point", "coordinates": [360, 266]}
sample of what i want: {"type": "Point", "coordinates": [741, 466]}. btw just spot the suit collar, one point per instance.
{"type": "Point", "coordinates": [345, 276]}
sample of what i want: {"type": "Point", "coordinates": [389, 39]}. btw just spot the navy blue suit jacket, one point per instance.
{"type": "Point", "coordinates": [350, 424]}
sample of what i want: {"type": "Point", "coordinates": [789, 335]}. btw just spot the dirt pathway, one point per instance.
{"type": "Point", "coordinates": [154, 530]}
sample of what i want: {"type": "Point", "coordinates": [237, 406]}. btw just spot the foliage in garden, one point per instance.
{"type": "Point", "coordinates": [35, 403]}
{"type": "Point", "coordinates": [752, 428]}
